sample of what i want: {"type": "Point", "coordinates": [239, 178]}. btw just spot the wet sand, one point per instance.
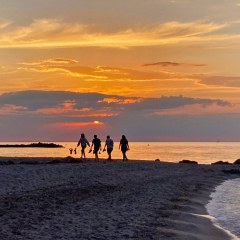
{"type": "Point", "coordinates": [71, 199]}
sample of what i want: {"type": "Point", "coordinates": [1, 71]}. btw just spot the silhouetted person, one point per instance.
{"type": "Point", "coordinates": [109, 144]}
{"type": "Point", "coordinates": [84, 143]}
{"type": "Point", "coordinates": [75, 150]}
{"type": "Point", "coordinates": [124, 147]}
{"type": "Point", "coordinates": [96, 144]}
{"type": "Point", "coordinates": [70, 150]}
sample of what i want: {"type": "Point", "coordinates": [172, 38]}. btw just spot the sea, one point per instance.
{"type": "Point", "coordinates": [224, 206]}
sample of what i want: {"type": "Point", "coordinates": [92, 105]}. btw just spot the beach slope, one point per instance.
{"type": "Point", "coordinates": [108, 200]}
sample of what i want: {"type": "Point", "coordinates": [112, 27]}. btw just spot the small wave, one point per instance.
{"type": "Point", "coordinates": [225, 207]}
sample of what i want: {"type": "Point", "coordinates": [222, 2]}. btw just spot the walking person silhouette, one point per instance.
{"type": "Point", "coordinates": [109, 144]}
{"type": "Point", "coordinates": [84, 143]}
{"type": "Point", "coordinates": [123, 145]}
{"type": "Point", "coordinates": [96, 144]}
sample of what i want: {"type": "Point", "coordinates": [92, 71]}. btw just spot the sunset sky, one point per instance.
{"type": "Point", "coordinates": [155, 70]}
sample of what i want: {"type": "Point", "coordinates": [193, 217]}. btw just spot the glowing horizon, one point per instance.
{"type": "Point", "coordinates": [120, 63]}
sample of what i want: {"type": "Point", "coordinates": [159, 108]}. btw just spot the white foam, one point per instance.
{"type": "Point", "coordinates": [225, 208]}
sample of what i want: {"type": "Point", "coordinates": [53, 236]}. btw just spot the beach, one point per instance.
{"type": "Point", "coordinates": [64, 198]}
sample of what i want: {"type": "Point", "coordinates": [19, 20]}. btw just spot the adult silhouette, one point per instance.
{"type": "Point", "coordinates": [123, 145]}
{"type": "Point", "coordinates": [109, 144]}
{"type": "Point", "coordinates": [84, 143]}
{"type": "Point", "coordinates": [96, 145]}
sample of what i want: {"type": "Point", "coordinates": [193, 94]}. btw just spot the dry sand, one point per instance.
{"type": "Point", "coordinates": [107, 200]}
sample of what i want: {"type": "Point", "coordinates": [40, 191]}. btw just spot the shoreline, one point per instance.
{"type": "Point", "coordinates": [110, 200]}
{"type": "Point", "coordinates": [194, 217]}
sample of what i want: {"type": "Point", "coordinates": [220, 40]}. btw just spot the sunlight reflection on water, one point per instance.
{"type": "Point", "coordinates": [203, 152]}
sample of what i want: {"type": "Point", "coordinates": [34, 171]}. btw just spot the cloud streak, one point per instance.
{"type": "Point", "coordinates": [57, 33]}
{"type": "Point", "coordinates": [223, 81]}
{"type": "Point", "coordinates": [75, 124]}
{"type": "Point", "coordinates": [171, 77]}
{"type": "Point", "coordinates": [173, 64]}
{"type": "Point", "coordinates": [51, 61]}
{"type": "Point", "coordinates": [100, 72]}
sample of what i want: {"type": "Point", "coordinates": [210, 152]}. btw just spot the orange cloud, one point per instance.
{"type": "Point", "coordinates": [173, 64]}
{"type": "Point", "coordinates": [11, 109]}
{"type": "Point", "coordinates": [68, 108]}
{"type": "Point", "coordinates": [106, 73]}
{"type": "Point", "coordinates": [121, 101]}
{"type": "Point", "coordinates": [69, 104]}
{"type": "Point", "coordinates": [224, 81]}
{"type": "Point", "coordinates": [65, 107]}
{"type": "Point", "coordinates": [51, 61]}
{"type": "Point", "coordinates": [57, 33]}
{"type": "Point", "coordinates": [66, 74]}
{"type": "Point", "coordinates": [75, 124]}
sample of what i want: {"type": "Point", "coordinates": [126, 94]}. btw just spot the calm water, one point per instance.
{"type": "Point", "coordinates": [224, 206]}
{"type": "Point", "coordinates": [166, 151]}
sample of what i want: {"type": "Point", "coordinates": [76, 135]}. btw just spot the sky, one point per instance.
{"type": "Point", "coordinates": [155, 70]}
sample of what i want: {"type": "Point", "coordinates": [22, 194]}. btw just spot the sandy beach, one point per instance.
{"type": "Point", "coordinates": [69, 199]}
